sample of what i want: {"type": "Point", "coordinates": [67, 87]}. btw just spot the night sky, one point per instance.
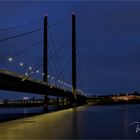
{"type": "Point", "coordinates": [108, 40]}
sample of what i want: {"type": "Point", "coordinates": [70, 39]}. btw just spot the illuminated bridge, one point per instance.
{"type": "Point", "coordinates": [14, 82]}
{"type": "Point", "coordinates": [50, 85]}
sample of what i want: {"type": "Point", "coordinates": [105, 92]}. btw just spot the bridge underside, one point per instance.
{"type": "Point", "coordinates": [14, 82]}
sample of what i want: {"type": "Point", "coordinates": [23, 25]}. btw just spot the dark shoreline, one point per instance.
{"type": "Point", "coordinates": [104, 102]}
{"type": "Point", "coordinates": [4, 117]}
{"type": "Point", "coordinates": [101, 102]}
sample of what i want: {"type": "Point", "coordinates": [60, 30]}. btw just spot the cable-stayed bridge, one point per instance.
{"type": "Point", "coordinates": [21, 79]}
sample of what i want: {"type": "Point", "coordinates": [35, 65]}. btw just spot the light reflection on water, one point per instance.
{"type": "Point", "coordinates": [23, 110]}
{"type": "Point", "coordinates": [94, 122]}
{"type": "Point", "coordinates": [102, 122]}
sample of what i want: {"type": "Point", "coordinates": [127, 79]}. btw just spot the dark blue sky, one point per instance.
{"type": "Point", "coordinates": [108, 39]}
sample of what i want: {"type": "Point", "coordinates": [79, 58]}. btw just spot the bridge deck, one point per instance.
{"type": "Point", "coordinates": [14, 82]}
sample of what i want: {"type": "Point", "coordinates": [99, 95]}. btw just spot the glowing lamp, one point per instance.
{"type": "Point", "coordinates": [37, 71]}
{"type": "Point", "coordinates": [21, 64]}
{"type": "Point", "coordinates": [30, 68]}
{"type": "Point", "coordinates": [10, 59]}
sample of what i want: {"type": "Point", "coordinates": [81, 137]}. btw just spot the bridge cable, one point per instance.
{"type": "Point", "coordinates": [80, 69]}
{"type": "Point", "coordinates": [63, 68]}
{"type": "Point", "coordinates": [53, 62]}
{"type": "Point", "coordinates": [52, 55]}
{"type": "Point", "coordinates": [18, 26]}
{"type": "Point", "coordinates": [57, 57]}
{"type": "Point", "coordinates": [19, 35]}
{"type": "Point", "coordinates": [59, 49]}
{"type": "Point", "coordinates": [26, 49]}
{"type": "Point", "coordinates": [59, 22]}
{"type": "Point", "coordinates": [53, 44]}
{"type": "Point", "coordinates": [22, 51]}
{"type": "Point", "coordinates": [52, 40]}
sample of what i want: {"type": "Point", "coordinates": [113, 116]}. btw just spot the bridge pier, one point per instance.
{"type": "Point", "coordinates": [90, 100]}
{"type": "Point", "coordinates": [57, 101]}
{"type": "Point", "coordinates": [67, 101]}
{"type": "Point", "coordinates": [62, 101]}
{"type": "Point", "coordinates": [45, 103]}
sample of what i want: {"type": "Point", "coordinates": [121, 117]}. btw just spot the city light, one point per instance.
{"type": "Point", "coordinates": [25, 98]}
{"type": "Point", "coordinates": [30, 68]}
{"type": "Point", "coordinates": [26, 73]}
{"type": "Point", "coordinates": [37, 71]}
{"type": "Point", "coordinates": [10, 59]}
{"type": "Point", "coordinates": [21, 64]}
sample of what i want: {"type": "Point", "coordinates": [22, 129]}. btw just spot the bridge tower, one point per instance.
{"type": "Point", "coordinates": [45, 50]}
{"type": "Point", "coordinates": [45, 61]}
{"type": "Point", "coordinates": [74, 85]}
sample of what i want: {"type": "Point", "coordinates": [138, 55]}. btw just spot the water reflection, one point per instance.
{"type": "Point", "coordinates": [126, 121]}
{"type": "Point", "coordinates": [94, 122]}
{"type": "Point", "coordinates": [74, 123]}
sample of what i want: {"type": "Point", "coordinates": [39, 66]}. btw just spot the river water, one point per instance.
{"type": "Point", "coordinates": [86, 122]}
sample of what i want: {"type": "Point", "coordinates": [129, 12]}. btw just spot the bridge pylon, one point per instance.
{"type": "Point", "coordinates": [45, 50]}
{"type": "Point", "coordinates": [45, 61]}
{"type": "Point", "coordinates": [74, 84]}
